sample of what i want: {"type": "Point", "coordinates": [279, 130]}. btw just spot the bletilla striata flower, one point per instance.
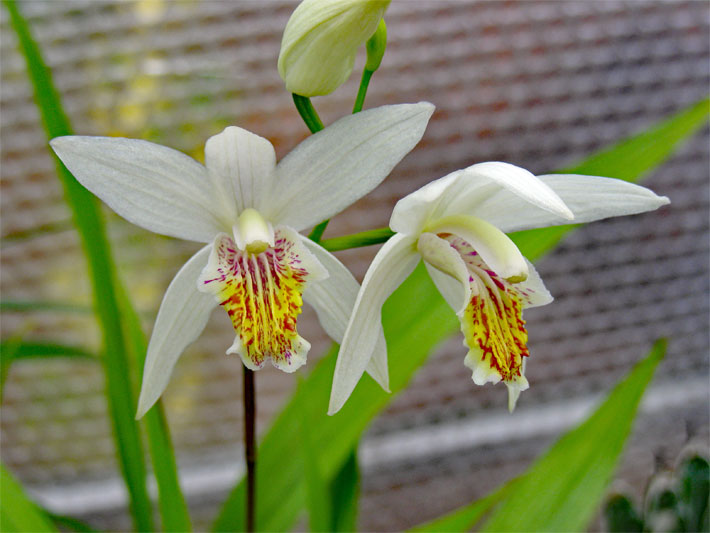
{"type": "Point", "coordinates": [456, 224]}
{"type": "Point", "coordinates": [249, 210]}
{"type": "Point", "coordinates": [321, 40]}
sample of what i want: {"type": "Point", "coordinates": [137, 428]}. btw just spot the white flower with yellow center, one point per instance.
{"type": "Point", "coordinates": [456, 224]}
{"type": "Point", "coordinates": [249, 210]}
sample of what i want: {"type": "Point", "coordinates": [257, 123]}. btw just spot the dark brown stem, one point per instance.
{"type": "Point", "coordinates": [249, 445]}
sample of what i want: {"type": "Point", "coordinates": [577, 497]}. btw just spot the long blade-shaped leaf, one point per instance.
{"type": "Point", "coordinates": [345, 493]}
{"type": "Point", "coordinates": [317, 498]}
{"type": "Point", "coordinates": [18, 512]}
{"type": "Point", "coordinates": [90, 225]}
{"type": "Point", "coordinates": [171, 501]}
{"type": "Point", "coordinates": [563, 489]}
{"type": "Point", "coordinates": [412, 332]}
{"type": "Point", "coordinates": [109, 302]}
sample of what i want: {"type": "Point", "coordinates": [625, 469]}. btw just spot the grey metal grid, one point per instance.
{"type": "Point", "coordinates": [539, 84]}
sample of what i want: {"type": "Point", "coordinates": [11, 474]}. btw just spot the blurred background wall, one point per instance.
{"type": "Point", "coordinates": [537, 84]}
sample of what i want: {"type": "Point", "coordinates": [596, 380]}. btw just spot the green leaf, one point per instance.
{"type": "Point", "coordinates": [30, 306]}
{"type": "Point", "coordinates": [621, 515]}
{"type": "Point", "coordinates": [628, 160]}
{"type": "Point", "coordinates": [345, 493]}
{"type": "Point", "coordinates": [412, 332]}
{"type": "Point", "coordinates": [317, 497]}
{"type": "Point", "coordinates": [30, 349]}
{"type": "Point", "coordinates": [357, 240]}
{"type": "Point", "coordinates": [114, 310]}
{"type": "Point", "coordinates": [69, 523]}
{"type": "Point", "coordinates": [466, 517]}
{"type": "Point", "coordinates": [91, 229]}
{"type": "Point", "coordinates": [18, 512]}
{"type": "Point", "coordinates": [634, 157]}
{"type": "Point", "coordinates": [694, 494]}
{"type": "Point", "coordinates": [171, 501]}
{"type": "Point", "coordinates": [562, 490]}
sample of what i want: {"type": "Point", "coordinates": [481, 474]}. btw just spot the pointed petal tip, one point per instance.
{"type": "Point", "coordinates": [144, 406]}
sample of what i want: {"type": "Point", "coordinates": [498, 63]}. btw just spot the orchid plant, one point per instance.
{"type": "Point", "coordinates": [248, 212]}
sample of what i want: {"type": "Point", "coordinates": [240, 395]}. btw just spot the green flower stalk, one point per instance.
{"type": "Point", "coordinates": [321, 40]}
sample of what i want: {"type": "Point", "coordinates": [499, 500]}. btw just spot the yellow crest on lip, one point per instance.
{"type": "Point", "coordinates": [263, 295]}
{"type": "Point", "coordinates": [492, 322]}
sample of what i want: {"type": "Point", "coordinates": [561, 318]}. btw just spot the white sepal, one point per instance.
{"type": "Point", "coordinates": [390, 267]}
{"type": "Point", "coordinates": [183, 315]}
{"type": "Point", "coordinates": [152, 186]}
{"type": "Point", "coordinates": [342, 163]}
{"type": "Point", "coordinates": [333, 300]}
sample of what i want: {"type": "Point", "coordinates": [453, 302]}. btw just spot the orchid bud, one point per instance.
{"type": "Point", "coordinates": [321, 40]}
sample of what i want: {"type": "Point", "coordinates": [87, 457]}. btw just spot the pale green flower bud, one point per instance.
{"type": "Point", "coordinates": [321, 40]}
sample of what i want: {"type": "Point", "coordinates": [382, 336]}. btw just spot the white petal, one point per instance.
{"type": "Point", "coordinates": [342, 163]}
{"type": "Point", "coordinates": [182, 316]}
{"type": "Point", "coordinates": [152, 186]}
{"type": "Point", "coordinates": [588, 197]}
{"type": "Point", "coordinates": [241, 168]}
{"type": "Point", "coordinates": [391, 266]}
{"type": "Point", "coordinates": [464, 192]}
{"type": "Point", "coordinates": [333, 300]}
{"type": "Point", "coordinates": [447, 269]}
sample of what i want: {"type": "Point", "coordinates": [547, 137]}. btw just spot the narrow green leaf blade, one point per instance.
{"type": "Point", "coordinates": [18, 512]}
{"type": "Point", "coordinates": [564, 488]}
{"type": "Point", "coordinates": [465, 518]}
{"type": "Point", "coordinates": [317, 497]}
{"type": "Point", "coordinates": [25, 306]}
{"type": "Point", "coordinates": [634, 157]}
{"type": "Point", "coordinates": [628, 160]}
{"type": "Point", "coordinates": [68, 523]}
{"type": "Point", "coordinates": [171, 501]}
{"type": "Point", "coordinates": [31, 349]}
{"type": "Point", "coordinates": [345, 494]}
{"type": "Point", "coordinates": [91, 229]}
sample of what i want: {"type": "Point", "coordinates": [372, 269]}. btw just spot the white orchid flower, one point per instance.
{"type": "Point", "coordinates": [249, 210]}
{"type": "Point", "coordinates": [321, 40]}
{"type": "Point", "coordinates": [457, 225]}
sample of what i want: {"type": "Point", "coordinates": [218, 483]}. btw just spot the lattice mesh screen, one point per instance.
{"type": "Point", "coordinates": [538, 84]}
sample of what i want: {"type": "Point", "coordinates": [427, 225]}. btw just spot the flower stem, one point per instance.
{"type": "Point", "coordinates": [249, 445]}
{"type": "Point", "coordinates": [357, 240]}
{"type": "Point", "coordinates": [313, 122]}
{"type": "Point", "coordinates": [308, 112]}
{"type": "Point", "coordinates": [364, 84]}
